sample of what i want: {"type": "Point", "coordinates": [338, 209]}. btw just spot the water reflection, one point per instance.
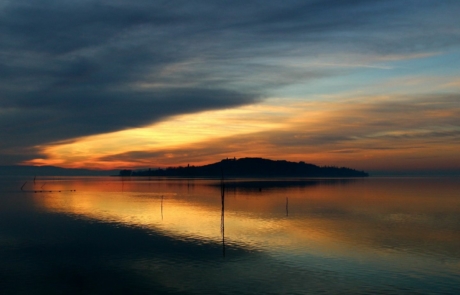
{"type": "Point", "coordinates": [161, 207]}
{"type": "Point", "coordinates": [222, 218]}
{"type": "Point", "coordinates": [403, 232]}
{"type": "Point", "coordinates": [366, 214]}
{"type": "Point", "coordinates": [287, 206]}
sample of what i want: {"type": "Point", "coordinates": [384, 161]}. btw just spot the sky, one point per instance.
{"type": "Point", "coordinates": [371, 85]}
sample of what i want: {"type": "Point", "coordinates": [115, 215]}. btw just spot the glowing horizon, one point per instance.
{"type": "Point", "coordinates": [263, 130]}
{"type": "Point", "coordinates": [367, 85]}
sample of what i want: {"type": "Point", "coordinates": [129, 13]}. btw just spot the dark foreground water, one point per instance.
{"type": "Point", "coordinates": [161, 236]}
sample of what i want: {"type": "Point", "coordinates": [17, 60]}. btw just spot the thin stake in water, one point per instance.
{"type": "Point", "coordinates": [222, 216]}
{"type": "Point", "coordinates": [162, 207]}
{"type": "Point", "coordinates": [287, 206]}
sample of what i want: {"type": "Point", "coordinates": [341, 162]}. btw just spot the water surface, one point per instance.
{"type": "Point", "coordinates": [113, 235]}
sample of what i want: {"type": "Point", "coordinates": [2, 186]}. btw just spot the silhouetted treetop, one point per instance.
{"type": "Point", "coordinates": [252, 167]}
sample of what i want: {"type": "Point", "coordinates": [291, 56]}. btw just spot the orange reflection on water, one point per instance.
{"type": "Point", "coordinates": [330, 218]}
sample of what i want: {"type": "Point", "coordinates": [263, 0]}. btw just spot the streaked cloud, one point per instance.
{"type": "Point", "coordinates": [366, 132]}
{"type": "Point", "coordinates": [75, 72]}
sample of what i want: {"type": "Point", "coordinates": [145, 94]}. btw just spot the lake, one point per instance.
{"type": "Point", "coordinates": [112, 235]}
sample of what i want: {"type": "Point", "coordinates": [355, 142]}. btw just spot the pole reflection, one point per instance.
{"type": "Point", "coordinates": [222, 216]}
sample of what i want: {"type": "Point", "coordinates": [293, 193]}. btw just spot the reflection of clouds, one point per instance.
{"type": "Point", "coordinates": [334, 230]}
{"type": "Point", "coordinates": [367, 224]}
{"type": "Point", "coordinates": [330, 219]}
{"type": "Point", "coordinates": [403, 218]}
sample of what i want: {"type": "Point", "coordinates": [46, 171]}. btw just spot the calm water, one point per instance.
{"type": "Point", "coordinates": [161, 236]}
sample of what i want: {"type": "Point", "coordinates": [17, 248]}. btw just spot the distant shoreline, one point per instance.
{"type": "Point", "coordinates": [249, 168]}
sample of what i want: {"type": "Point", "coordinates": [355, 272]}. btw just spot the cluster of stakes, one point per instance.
{"type": "Point", "coordinates": [45, 191]}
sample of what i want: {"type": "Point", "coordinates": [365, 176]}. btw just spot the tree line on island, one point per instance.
{"type": "Point", "coordinates": [250, 167]}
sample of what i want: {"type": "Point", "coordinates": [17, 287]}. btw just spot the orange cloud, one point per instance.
{"type": "Point", "coordinates": [378, 132]}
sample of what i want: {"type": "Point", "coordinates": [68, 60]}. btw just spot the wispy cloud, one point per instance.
{"type": "Point", "coordinates": [326, 133]}
{"type": "Point", "coordinates": [76, 69]}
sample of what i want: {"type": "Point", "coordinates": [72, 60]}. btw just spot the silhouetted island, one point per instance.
{"type": "Point", "coordinates": [250, 167]}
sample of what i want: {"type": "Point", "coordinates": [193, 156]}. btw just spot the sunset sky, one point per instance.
{"type": "Point", "coordinates": [372, 85]}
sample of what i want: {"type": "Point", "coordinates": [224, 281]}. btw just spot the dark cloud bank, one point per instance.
{"type": "Point", "coordinates": [75, 68]}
